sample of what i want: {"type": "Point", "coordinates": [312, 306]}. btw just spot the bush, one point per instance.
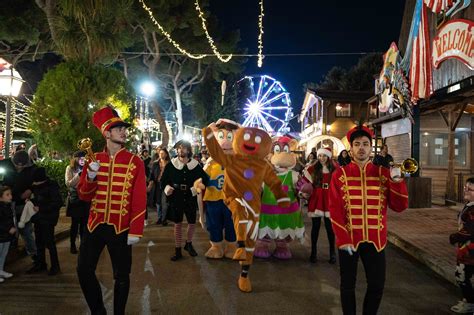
{"type": "Point", "coordinates": [56, 170]}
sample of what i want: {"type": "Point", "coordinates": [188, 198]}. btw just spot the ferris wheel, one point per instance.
{"type": "Point", "coordinates": [268, 105]}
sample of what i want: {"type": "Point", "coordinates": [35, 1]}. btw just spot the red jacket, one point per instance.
{"type": "Point", "coordinates": [358, 200]}
{"type": "Point", "coordinates": [117, 194]}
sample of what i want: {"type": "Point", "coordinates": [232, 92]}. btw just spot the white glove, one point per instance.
{"type": "Point", "coordinates": [132, 240]}
{"type": "Point", "coordinates": [92, 170]}
{"type": "Point", "coordinates": [168, 190]}
{"type": "Point", "coordinates": [396, 174]}
{"type": "Point", "coordinates": [348, 248]}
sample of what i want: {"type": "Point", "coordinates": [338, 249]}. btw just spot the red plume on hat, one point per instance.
{"type": "Point", "coordinates": [361, 129]}
{"type": "Point", "coordinates": [106, 118]}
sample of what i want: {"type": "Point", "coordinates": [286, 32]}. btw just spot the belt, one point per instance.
{"type": "Point", "coordinates": [180, 186]}
{"type": "Point", "coordinates": [325, 186]}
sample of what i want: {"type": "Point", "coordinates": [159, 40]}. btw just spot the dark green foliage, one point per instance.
{"type": "Point", "coordinates": [56, 170]}
{"type": "Point", "coordinates": [359, 78]}
{"type": "Point", "coordinates": [66, 98]}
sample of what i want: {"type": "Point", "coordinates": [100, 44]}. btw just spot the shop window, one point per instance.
{"type": "Point", "coordinates": [434, 149]}
{"type": "Point", "coordinates": [373, 110]}
{"type": "Point", "coordinates": [343, 110]}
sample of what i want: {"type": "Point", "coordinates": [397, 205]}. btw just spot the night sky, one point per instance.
{"type": "Point", "coordinates": [310, 26]}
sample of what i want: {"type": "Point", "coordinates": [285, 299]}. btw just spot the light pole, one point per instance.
{"type": "Point", "coordinates": [10, 85]}
{"type": "Point", "coordinates": [147, 89]}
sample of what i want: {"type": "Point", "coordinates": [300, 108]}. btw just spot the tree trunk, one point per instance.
{"type": "Point", "coordinates": [179, 112]}
{"type": "Point", "coordinates": [163, 127]}
{"type": "Point", "coordinates": [49, 8]}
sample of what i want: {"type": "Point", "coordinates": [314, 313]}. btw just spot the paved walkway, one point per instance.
{"type": "Point", "coordinates": [424, 234]}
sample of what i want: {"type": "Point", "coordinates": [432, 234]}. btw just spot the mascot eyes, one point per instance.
{"type": "Point", "coordinates": [258, 139]}
{"type": "Point", "coordinates": [220, 135]}
{"type": "Point", "coordinates": [286, 149]}
{"type": "Point", "coordinates": [230, 136]}
{"type": "Point", "coordinates": [276, 149]}
{"type": "Point", "coordinates": [247, 136]}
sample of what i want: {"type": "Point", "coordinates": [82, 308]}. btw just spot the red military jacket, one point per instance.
{"type": "Point", "coordinates": [117, 194]}
{"type": "Point", "coordinates": [358, 200]}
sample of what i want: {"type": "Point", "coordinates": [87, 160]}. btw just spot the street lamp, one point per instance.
{"type": "Point", "coordinates": [10, 86]}
{"type": "Point", "coordinates": [147, 89]}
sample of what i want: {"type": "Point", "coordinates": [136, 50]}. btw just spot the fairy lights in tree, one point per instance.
{"type": "Point", "coordinates": [168, 36]}
{"type": "Point", "coordinates": [209, 38]}
{"type": "Point", "coordinates": [260, 36]}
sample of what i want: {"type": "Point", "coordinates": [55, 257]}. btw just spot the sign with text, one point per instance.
{"type": "Point", "coordinates": [455, 40]}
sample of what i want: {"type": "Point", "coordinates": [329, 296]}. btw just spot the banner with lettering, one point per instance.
{"type": "Point", "coordinates": [455, 39]}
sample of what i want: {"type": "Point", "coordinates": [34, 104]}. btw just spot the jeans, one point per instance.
{"type": "Point", "coordinates": [374, 266]}
{"type": "Point", "coordinates": [3, 254]}
{"type": "Point", "coordinates": [121, 256]}
{"type": "Point", "coordinates": [26, 233]}
{"type": "Point", "coordinates": [162, 207]}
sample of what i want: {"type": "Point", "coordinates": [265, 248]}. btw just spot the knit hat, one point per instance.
{"type": "Point", "coordinates": [21, 158]}
{"type": "Point", "coordinates": [79, 154]}
{"type": "Point", "coordinates": [39, 175]}
{"type": "Point", "coordinates": [325, 151]}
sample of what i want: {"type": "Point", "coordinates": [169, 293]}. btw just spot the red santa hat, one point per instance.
{"type": "Point", "coordinates": [325, 151]}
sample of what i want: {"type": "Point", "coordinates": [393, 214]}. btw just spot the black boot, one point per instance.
{"type": "Point", "coordinates": [313, 257]}
{"type": "Point", "coordinates": [190, 249]}
{"type": "Point", "coordinates": [177, 254]}
{"type": "Point", "coordinates": [37, 268]}
{"type": "Point", "coordinates": [73, 249]}
{"type": "Point", "coordinates": [332, 258]}
{"type": "Point", "coordinates": [54, 271]}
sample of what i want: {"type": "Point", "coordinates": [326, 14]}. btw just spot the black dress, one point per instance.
{"type": "Point", "coordinates": [181, 177]}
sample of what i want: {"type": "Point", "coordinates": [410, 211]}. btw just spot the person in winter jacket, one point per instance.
{"type": "Point", "coordinates": [7, 228]}
{"type": "Point", "coordinates": [47, 201]}
{"type": "Point", "coordinates": [464, 238]}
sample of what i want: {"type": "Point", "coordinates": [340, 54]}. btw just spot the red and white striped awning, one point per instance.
{"type": "Point", "coordinates": [439, 5]}
{"type": "Point", "coordinates": [420, 65]}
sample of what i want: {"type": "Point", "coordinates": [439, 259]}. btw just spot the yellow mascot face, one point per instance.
{"type": "Point", "coordinates": [253, 142]}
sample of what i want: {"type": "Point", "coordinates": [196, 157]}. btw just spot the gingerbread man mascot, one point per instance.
{"type": "Point", "coordinates": [245, 172]}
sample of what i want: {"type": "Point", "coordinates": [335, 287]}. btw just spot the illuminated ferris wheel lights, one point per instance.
{"type": "Point", "coordinates": [253, 108]}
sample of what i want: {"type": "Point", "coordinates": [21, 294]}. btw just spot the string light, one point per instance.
{"type": "Point", "coordinates": [260, 36]}
{"type": "Point", "coordinates": [209, 38]}
{"type": "Point", "coordinates": [167, 35]}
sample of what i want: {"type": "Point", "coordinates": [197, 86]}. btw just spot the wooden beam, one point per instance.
{"type": "Point", "coordinates": [444, 118]}
{"type": "Point", "coordinates": [462, 108]}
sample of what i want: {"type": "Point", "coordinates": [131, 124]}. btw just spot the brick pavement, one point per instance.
{"type": "Point", "coordinates": [424, 234]}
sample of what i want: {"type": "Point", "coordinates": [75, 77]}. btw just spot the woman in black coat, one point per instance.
{"type": "Point", "coordinates": [77, 209]}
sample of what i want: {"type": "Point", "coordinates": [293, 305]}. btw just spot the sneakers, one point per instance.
{"type": "Point", "coordinates": [463, 307]}
{"type": "Point", "coordinates": [5, 275]}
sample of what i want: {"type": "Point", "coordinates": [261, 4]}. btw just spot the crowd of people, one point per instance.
{"type": "Point", "coordinates": [349, 193]}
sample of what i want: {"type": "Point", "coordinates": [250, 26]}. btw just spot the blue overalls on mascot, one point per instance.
{"type": "Point", "coordinates": [218, 216]}
{"type": "Point", "coordinates": [276, 223]}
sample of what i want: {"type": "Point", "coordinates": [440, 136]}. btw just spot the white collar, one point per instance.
{"type": "Point", "coordinates": [179, 165]}
{"type": "Point", "coordinates": [470, 204]}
